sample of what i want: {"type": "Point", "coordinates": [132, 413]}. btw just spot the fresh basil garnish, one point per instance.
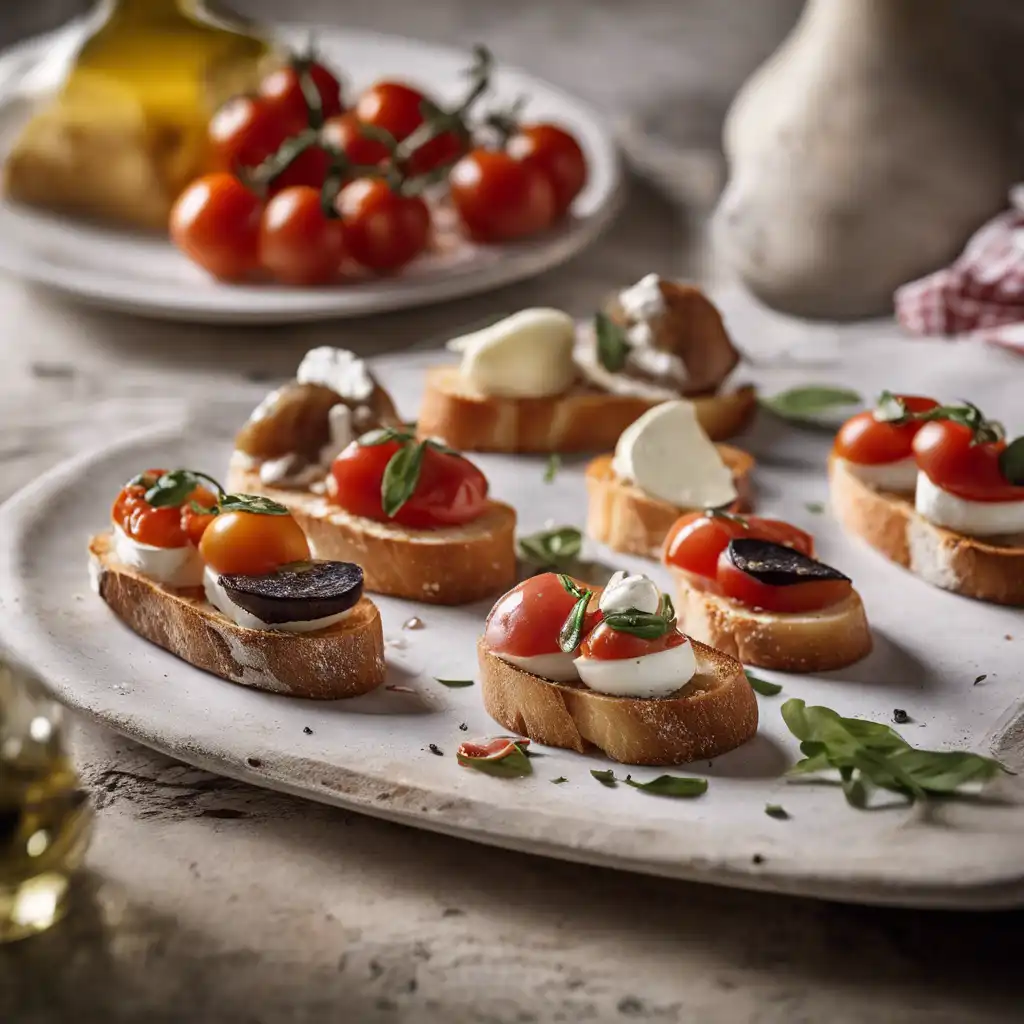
{"type": "Point", "coordinates": [558, 546]}
{"type": "Point", "coordinates": [671, 785]}
{"type": "Point", "coordinates": [776, 811]}
{"type": "Point", "coordinates": [401, 475]}
{"type": "Point", "coordinates": [645, 625]}
{"type": "Point", "coordinates": [762, 686]}
{"type": "Point", "coordinates": [807, 403]}
{"type": "Point", "coordinates": [570, 585]}
{"type": "Point", "coordinates": [454, 684]}
{"type": "Point", "coordinates": [1011, 462]}
{"type": "Point", "coordinates": [553, 465]}
{"type": "Point", "coordinates": [255, 503]}
{"type": "Point", "coordinates": [969, 415]}
{"type": "Point", "coordinates": [559, 780]}
{"type": "Point", "coordinates": [606, 777]}
{"type": "Point", "coordinates": [514, 764]}
{"type": "Point", "coordinates": [666, 609]}
{"type": "Point", "coordinates": [612, 346]}
{"type": "Point", "coordinates": [174, 487]}
{"type": "Point", "coordinates": [571, 634]}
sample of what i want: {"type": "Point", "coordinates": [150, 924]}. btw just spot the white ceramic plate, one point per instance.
{"type": "Point", "coordinates": [147, 276]}
{"type": "Point", "coordinates": [372, 753]}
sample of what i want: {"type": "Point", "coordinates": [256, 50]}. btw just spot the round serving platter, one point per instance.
{"type": "Point", "coordinates": [146, 275]}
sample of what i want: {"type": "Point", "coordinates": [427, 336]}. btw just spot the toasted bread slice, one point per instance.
{"type": "Point", "coordinates": [971, 566]}
{"type": "Point", "coordinates": [454, 565]}
{"type": "Point", "coordinates": [714, 712]}
{"type": "Point", "coordinates": [583, 419]}
{"type": "Point", "coordinates": [630, 520]}
{"type": "Point", "coordinates": [809, 642]}
{"type": "Point", "coordinates": [344, 660]}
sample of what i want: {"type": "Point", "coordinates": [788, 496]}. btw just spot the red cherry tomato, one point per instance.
{"type": "Point", "coordinates": [795, 598]}
{"type": "Point", "coordinates": [555, 153]}
{"type": "Point", "coordinates": [697, 539]}
{"type": "Point", "coordinates": [281, 92]}
{"type": "Point", "coordinates": [945, 452]}
{"type": "Point", "coordinates": [299, 243]}
{"type": "Point", "coordinates": [383, 230]}
{"type": "Point", "coordinates": [216, 223]}
{"type": "Point", "coordinates": [527, 620]}
{"type": "Point", "coordinates": [310, 168]}
{"type": "Point", "coordinates": [393, 106]}
{"type": "Point", "coordinates": [440, 151]}
{"type": "Point", "coordinates": [866, 441]}
{"type": "Point", "coordinates": [498, 198]}
{"type": "Point", "coordinates": [166, 527]}
{"type": "Point", "coordinates": [244, 132]}
{"type": "Point", "coordinates": [252, 544]}
{"type": "Point", "coordinates": [450, 491]}
{"type": "Point", "coordinates": [607, 644]}
{"type": "Point", "coordinates": [344, 133]}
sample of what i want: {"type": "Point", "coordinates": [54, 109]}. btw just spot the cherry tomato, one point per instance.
{"type": "Point", "coordinates": [252, 544]}
{"type": "Point", "coordinates": [450, 491]}
{"type": "Point", "coordinates": [383, 230]}
{"type": "Point", "coordinates": [171, 526]}
{"type": "Point", "coordinates": [393, 106]}
{"type": "Point", "coordinates": [607, 644]}
{"type": "Point", "coordinates": [310, 168]}
{"type": "Point", "coordinates": [244, 132]}
{"type": "Point", "coordinates": [866, 441]}
{"type": "Point", "coordinates": [527, 620]}
{"type": "Point", "coordinates": [555, 153]}
{"type": "Point", "coordinates": [498, 198]}
{"type": "Point", "coordinates": [697, 539]}
{"type": "Point", "coordinates": [216, 223]}
{"type": "Point", "coordinates": [945, 452]}
{"type": "Point", "coordinates": [299, 243]}
{"type": "Point", "coordinates": [794, 598]}
{"type": "Point", "coordinates": [440, 151]}
{"type": "Point", "coordinates": [281, 92]}
{"type": "Point", "coordinates": [344, 133]}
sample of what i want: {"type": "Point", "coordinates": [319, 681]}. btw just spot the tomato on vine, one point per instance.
{"type": "Point", "coordinates": [244, 132]}
{"type": "Point", "coordinates": [384, 230]}
{"type": "Point", "coordinates": [281, 92]}
{"type": "Point", "coordinates": [300, 243]}
{"type": "Point", "coordinates": [557, 155]}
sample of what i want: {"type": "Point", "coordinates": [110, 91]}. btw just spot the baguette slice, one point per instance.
{"type": "Point", "coordinates": [714, 712]}
{"type": "Point", "coordinates": [583, 419]}
{"type": "Point", "coordinates": [809, 642]}
{"type": "Point", "coordinates": [344, 660]}
{"type": "Point", "coordinates": [455, 565]}
{"type": "Point", "coordinates": [628, 519]}
{"type": "Point", "coordinates": [965, 565]}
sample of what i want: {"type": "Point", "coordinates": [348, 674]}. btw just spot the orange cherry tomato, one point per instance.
{"type": "Point", "coordinates": [252, 544]}
{"type": "Point", "coordinates": [499, 198]}
{"type": "Point", "coordinates": [244, 132]}
{"type": "Point", "coordinates": [450, 491]}
{"type": "Point", "coordinates": [344, 133]}
{"type": "Point", "coordinates": [527, 620]}
{"type": "Point", "coordinates": [946, 453]}
{"type": "Point", "coordinates": [171, 526]}
{"type": "Point", "coordinates": [393, 106]}
{"type": "Point", "coordinates": [281, 92]}
{"type": "Point", "coordinates": [794, 598]}
{"type": "Point", "coordinates": [557, 154]}
{"type": "Point", "coordinates": [697, 539]}
{"type": "Point", "coordinates": [864, 440]}
{"type": "Point", "coordinates": [383, 230]}
{"type": "Point", "coordinates": [216, 223]}
{"type": "Point", "coordinates": [607, 644]}
{"type": "Point", "coordinates": [299, 243]}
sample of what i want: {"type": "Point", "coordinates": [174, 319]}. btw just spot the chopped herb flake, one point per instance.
{"type": "Point", "coordinates": [776, 811]}
{"type": "Point", "coordinates": [762, 686]}
{"type": "Point", "coordinates": [606, 778]}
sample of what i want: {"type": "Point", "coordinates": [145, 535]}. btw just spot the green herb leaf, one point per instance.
{"type": "Point", "coordinates": [401, 475]}
{"type": "Point", "coordinates": [552, 548]}
{"type": "Point", "coordinates": [807, 403]}
{"type": "Point", "coordinates": [721, 513]}
{"type": "Point", "coordinates": [174, 487]}
{"type": "Point", "coordinates": [255, 503]}
{"type": "Point", "coordinates": [889, 408]}
{"type": "Point", "coordinates": [814, 507]}
{"type": "Point", "coordinates": [569, 585]}
{"type": "Point", "coordinates": [671, 785]}
{"type": "Point", "coordinates": [762, 686]}
{"type": "Point", "coordinates": [612, 346]}
{"type": "Point", "coordinates": [641, 624]}
{"type": "Point", "coordinates": [515, 764]}
{"type": "Point", "coordinates": [776, 811]}
{"type": "Point", "coordinates": [606, 778]}
{"type": "Point", "coordinates": [454, 684]}
{"type": "Point", "coordinates": [967, 414]}
{"type": "Point", "coordinates": [667, 609]}
{"type": "Point", "coordinates": [383, 435]}
{"type": "Point", "coordinates": [571, 634]}
{"type": "Point", "coordinates": [1011, 462]}
{"type": "Point", "coordinates": [554, 464]}
{"type": "Point", "coordinates": [559, 780]}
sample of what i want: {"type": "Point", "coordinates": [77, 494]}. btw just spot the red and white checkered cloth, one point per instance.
{"type": "Point", "coordinates": [981, 295]}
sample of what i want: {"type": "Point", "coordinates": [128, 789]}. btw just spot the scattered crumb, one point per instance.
{"type": "Point", "coordinates": [52, 371]}
{"type": "Point", "coordinates": [757, 859]}
{"type": "Point", "coordinates": [414, 623]}
{"type": "Point", "coordinates": [463, 726]}
{"type": "Point", "coordinates": [395, 688]}
{"type": "Point", "coordinates": [980, 679]}
{"type": "Point", "coordinates": [453, 912]}
{"type": "Point", "coordinates": [1009, 636]}
{"type": "Point", "coordinates": [435, 749]}
{"type": "Point", "coordinates": [254, 762]}
{"type": "Point", "coordinates": [399, 643]}
{"type": "Point", "coordinates": [899, 716]}
{"type": "Point", "coordinates": [306, 729]}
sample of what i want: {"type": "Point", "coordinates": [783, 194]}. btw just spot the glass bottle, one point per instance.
{"type": "Point", "coordinates": [45, 817]}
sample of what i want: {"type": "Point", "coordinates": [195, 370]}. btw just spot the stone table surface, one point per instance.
{"type": "Point", "coordinates": [208, 900]}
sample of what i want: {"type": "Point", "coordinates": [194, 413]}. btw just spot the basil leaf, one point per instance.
{"type": "Point", "coordinates": [606, 778]}
{"type": "Point", "coordinates": [806, 403]}
{"type": "Point", "coordinates": [667, 609]}
{"type": "Point", "coordinates": [255, 503]}
{"type": "Point", "coordinates": [612, 346]}
{"type": "Point", "coordinates": [454, 684]}
{"type": "Point", "coordinates": [762, 686]}
{"type": "Point", "coordinates": [641, 624]}
{"type": "Point", "coordinates": [671, 785]}
{"type": "Point", "coordinates": [513, 765]}
{"type": "Point", "coordinates": [401, 475]}
{"type": "Point", "coordinates": [559, 780]}
{"type": "Point", "coordinates": [1011, 462]}
{"type": "Point", "coordinates": [554, 464]}
{"type": "Point", "coordinates": [571, 634]}
{"type": "Point", "coordinates": [552, 547]}
{"type": "Point", "coordinates": [172, 489]}
{"type": "Point", "coordinates": [776, 811]}
{"type": "Point", "coordinates": [570, 585]}
{"type": "Point", "coordinates": [382, 436]}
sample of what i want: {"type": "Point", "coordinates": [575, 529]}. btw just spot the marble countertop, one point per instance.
{"type": "Point", "coordinates": [208, 900]}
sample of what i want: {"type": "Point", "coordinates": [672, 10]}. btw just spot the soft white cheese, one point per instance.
{"type": "Point", "coordinates": [218, 597]}
{"type": "Point", "coordinates": [526, 355]}
{"type": "Point", "coordinates": [975, 518]}
{"type": "Point", "coordinates": [290, 471]}
{"type": "Point", "coordinates": [175, 567]}
{"type": "Point", "coordinates": [899, 476]}
{"type": "Point", "coordinates": [342, 433]}
{"type": "Point", "coordinates": [626, 592]}
{"type": "Point", "coordinates": [557, 666]}
{"type": "Point", "coordinates": [643, 301]}
{"type": "Point", "coordinates": [667, 454]}
{"type": "Point", "coordinates": [653, 675]}
{"type": "Point", "coordinates": [338, 369]}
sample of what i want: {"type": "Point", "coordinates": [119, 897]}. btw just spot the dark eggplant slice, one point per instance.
{"type": "Point", "coordinates": [778, 565]}
{"type": "Point", "coordinates": [298, 592]}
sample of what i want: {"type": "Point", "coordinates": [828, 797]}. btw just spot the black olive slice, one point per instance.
{"type": "Point", "coordinates": [778, 565]}
{"type": "Point", "coordinates": [298, 592]}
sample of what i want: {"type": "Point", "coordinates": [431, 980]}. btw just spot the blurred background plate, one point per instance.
{"type": "Point", "coordinates": [147, 276]}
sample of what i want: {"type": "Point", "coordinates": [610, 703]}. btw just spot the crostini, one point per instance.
{"type": "Point", "coordinates": [752, 588]}
{"type": "Point", "coordinates": [534, 383]}
{"type": "Point", "coordinates": [573, 666]}
{"type": "Point", "coordinates": [227, 583]}
{"type": "Point", "coordinates": [664, 465]}
{"type": "Point", "coordinates": [936, 490]}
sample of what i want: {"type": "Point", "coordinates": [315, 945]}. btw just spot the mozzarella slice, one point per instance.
{"type": "Point", "coordinates": [653, 675]}
{"type": "Point", "coordinates": [975, 518]}
{"type": "Point", "coordinates": [174, 567]}
{"type": "Point", "coordinates": [667, 454]}
{"type": "Point", "coordinates": [899, 476]}
{"type": "Point", "coordinates": [556, 666]}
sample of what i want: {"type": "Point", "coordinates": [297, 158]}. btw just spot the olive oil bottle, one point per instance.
{"type": "Point", "coordinates": [45, 818]}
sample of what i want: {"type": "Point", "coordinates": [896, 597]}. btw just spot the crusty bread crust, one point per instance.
{"type": "Point", "coordinates": [451, 566]}
{"type": "Point", "coordinates": [713, 713]}
{"type": "Point", "coordinates": [628, 519]}
{"type": "Point", "coordinates": [812, 642]}
{"type": "Point", "coordinates": [584, 419]}
{"type": "Point", "coordinates": [890, 524]}
{"type": "Point", "coordinates": [344, 660]}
